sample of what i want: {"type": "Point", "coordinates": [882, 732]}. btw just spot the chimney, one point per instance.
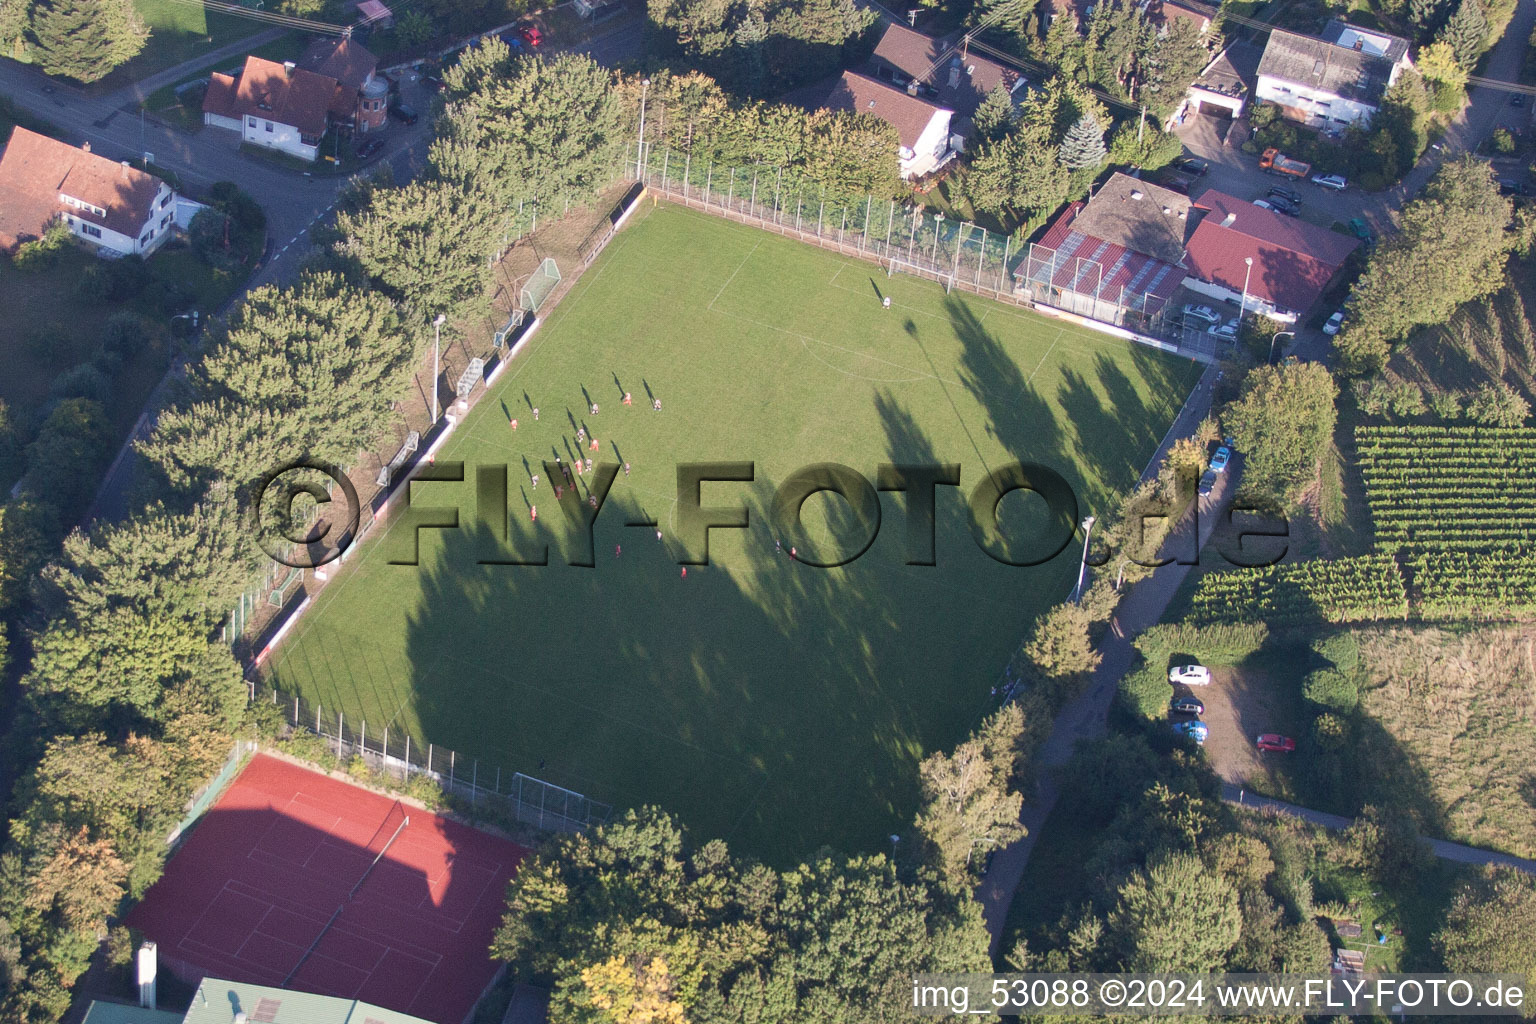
{"type": "Point", "coordinates": [288, 66]}
{"type": "Point", "coordinates": [1226, 221]}
{"type": "Point", "coordinates": [126, 168]}
{"type": "Point", "coordinates": [1136, 194]}
{"type": "Point", "coordinates": [85, 147]}
{"type": "Point", "coordinates": [911, 88]}
{"type": "Point", "coordinates": [1359, 43]}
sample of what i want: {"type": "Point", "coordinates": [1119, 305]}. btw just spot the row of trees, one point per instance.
{"type": "Point", "coordinates": [80, 39]}
{"type": "Point", "coordinates": [758, 48]}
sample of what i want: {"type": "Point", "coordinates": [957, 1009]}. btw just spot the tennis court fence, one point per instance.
{"type": "Point", "coordinates": [521, 798]}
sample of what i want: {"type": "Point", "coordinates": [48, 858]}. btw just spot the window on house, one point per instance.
{"type": "Point", "coordinates": [90, 229]}
{"type": "Point", "coordinates": [269, 126]}
{"type": "Point", "coordinates": [165, 202]}
{"type": "Point", "coordinates": [147, 237]}
{"type": "Point", "coordinates": [250, 122]}
{"type": "Point", "coordinates": [165, 220]}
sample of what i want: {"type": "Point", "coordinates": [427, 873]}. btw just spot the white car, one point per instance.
{"type": "Point", "coordinates": [1336, 182]}
{"type": "Point", "coordinates": [1190, 675]}
{"type": "Point", "coordinates": [1263, 204]}
{"type": "Point", "coordinates": [1205, 313]}
{"type": "Point", "coordinates": [1226, 332]}
{"type": "Point", "coordinates": [1334, 323]}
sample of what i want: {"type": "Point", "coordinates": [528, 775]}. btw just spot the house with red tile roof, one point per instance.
{"type": "Point", "coordinates": [1293, 261]}
{"type": "Point", "coordinates": [1117, 258]}
{"type": "Point", "coordinates": [923, 128]}
{"type": "Point", "coordinates": [113, 207]}
{"type": "Point", "coordinates": [362, 102]}
{"type": "Point", "coordinates": [279, 106]}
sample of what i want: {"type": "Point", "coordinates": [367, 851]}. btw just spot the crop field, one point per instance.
{"type": "Point", "coordinates": [1449, 488]}
{"type": "Point", "coordinates": [1338, 590]}
{"type": "Point", "coordinates": [764, 700]}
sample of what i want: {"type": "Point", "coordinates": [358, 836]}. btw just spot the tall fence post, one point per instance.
{"type": "Point", "coordinates": [752, 203]}
{"type": "Point", "coordinates": [1003, 278]}
{"type": "Point", "coordinates": [340, 728]}
{"type": "Point", "coordinates": [474, 782]}
{"type": "Point", "coordinates": [709, 176]}
{"type": "Point", "coordinates": [429, 759]}
{"type": "Point", "coordinates": [364, 741]}
{"type": "Point", "coordinates": [317, 718]}
{"type": "Point", "coordinates": [407, 755]}
{"type": "Point", "coordinates": [687, 171]}
{"type": "Point", "coordinates": [452, 757]}
{"type": "Point", "coordinates": [730, 192]}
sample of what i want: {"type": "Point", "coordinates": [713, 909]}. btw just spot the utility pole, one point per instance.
{"type": "Point", "coordinates": [437, 344]}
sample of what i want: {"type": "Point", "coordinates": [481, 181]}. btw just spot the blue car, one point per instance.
{"type": "Point", "coordinates": [1192, 730]}
{"type": "Point", "coordinates": [1219, 460]}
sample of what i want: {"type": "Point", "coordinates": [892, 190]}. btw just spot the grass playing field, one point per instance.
{"type": "Point", "coordinates": [774, 704]}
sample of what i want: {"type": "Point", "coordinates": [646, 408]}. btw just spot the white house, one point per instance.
{"type": "Point", "coordinates": [279, 106]}
{"type": "Point", "coordinates": [1335, 80]}
{"type": "Point", "coordinates": [112, 206]}
{"type": "Point", "coordinates": [922, 127]}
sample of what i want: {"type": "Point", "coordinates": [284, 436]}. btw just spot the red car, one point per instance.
{"type": "Point", "coordinates": [1275, 742]}
{"type": "Point", "coordinates": [531, 34]}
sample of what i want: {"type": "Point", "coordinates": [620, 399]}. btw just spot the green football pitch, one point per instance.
{"type": "Point", "coordinates": [765, 701]}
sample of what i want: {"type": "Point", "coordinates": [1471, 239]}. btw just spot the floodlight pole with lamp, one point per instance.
{"type": "Point", "coordinates": [1082, 569]}
{"type": "Point", "coordinates": [437, 345]}
{"type": "Point", "coordinates": [1243, 310]}
{"type": "Point", "coordinates": [1272, 340]}
{"type": "Point", "coordinates": [645, 88]}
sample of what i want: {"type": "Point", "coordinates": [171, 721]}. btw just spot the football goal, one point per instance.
{"type": "Point", "coordinates": [898, 265]}
{"type": "Point", "coordinates": [539, 286]}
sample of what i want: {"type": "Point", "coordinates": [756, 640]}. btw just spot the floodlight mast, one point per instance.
{"type": "Point", "coordinates": [437, 339]}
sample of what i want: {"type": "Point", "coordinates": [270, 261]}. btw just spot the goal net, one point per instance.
{"type": "Point", "coordinates": [539, 286]}
{"type": "Point", "coordinates": [899, 265]}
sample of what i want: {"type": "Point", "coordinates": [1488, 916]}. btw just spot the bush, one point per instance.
{"type": "Point", "coordinates": [1498, 405]}
{"type": "Point", "coordinates": [46, 341]}
{"type": "Point", "coordinates": [1330, 732]}
{"type": "Point", "coordinates": [125, 334]}
{"type": "Point", "coordinates": [1372, 181]}
{"type": "Point", "coordinates": [1502, 142]}
{"type": "Point", "coordinates": [1444, 405]}
{"type": "Point", "coordinates": [82, 381]}
{"type": "Point", "coordinates": [44, 252]}
{"type": "Point", "coordinates": [1219, 644]}
{"type": "Point", "coordinates": [130, 276]}
{"type": "Point", "coordinates": [245, 211]}
{"type": "Point", "coordinates": [1145, 690]}
{"type": "Point", "coordinates": [1330, 688]}
{"type": "Point", "coordinates": [94, 285]}
{"type": "Point", "coordinates": [1341, 651]}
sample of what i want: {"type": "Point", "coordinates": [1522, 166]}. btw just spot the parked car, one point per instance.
{"type": "Point", "coordinates": [1192, 165]}
{"type": "Point", "coordinates": [1207, 484]}
{"type": "Point", "coordinates": [514, 42]}
{"type": "Point", "coordinates": [1196, 731]}
{"type": "Point", "coordinates": [1284, 206]}
{"type": "Point", "coordinates": [1517, 100]}
{"type": "Point", "coordinates": [1220, 459]}
{"type": "Point", "coordinates": [1281, 192]}
{"type": "Point", "coordinates": [1334, 323]}
{"type": "Point", "coordinates": [369, 147]}
{"type": "Point", "coordinates": [1361, 230]}
{"type": "Point", "coordinates": [403, 112]}
{"type": "Point", "coordinates": [1189, 675]}
{"type": "Point", "coordinates": [1206, 313]}
{"type": "Point", "coordinates": [1511, 187]}
{"type": "Point", "coordinates": [1275, 742]}
{"type": "Point", "coordinates": [1226, 332]}
{"type": "Point", "coordinates": [1336, 182]}
{"type": "Point", "coordinates": [433, 82]}
{"type": "Point", "coordinates": [1263, 204]}
{"type": "Point", "coordinates": [532, 34]}
{"type": "Point", "coordinates": [1186, 706]}
{"type": "Point", "coordinates": [1177, 181]}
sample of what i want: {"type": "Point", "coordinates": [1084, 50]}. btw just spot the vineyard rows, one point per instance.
{"type": "Point", "coordinates": [1449, 488]}
{"type": "Point", "coordinates": [1462, 585]}
{"type": "Point", "coordinates": [1340, 590]}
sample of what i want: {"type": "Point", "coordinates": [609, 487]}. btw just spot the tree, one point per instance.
{"type": "Point", "coordinates": [1489, 926]}
{"type": "Point", "coordinates": [1177, 57]}
{"type": "Point", "coordinates": [968, 809]}
{"type": "Point", "coordinates": [637, 990]}
{"type": "Point", "coordinates": [13, 24]}
{"type": "Point", "coordinates": [1019, 175]}
{"type": "Point", "coordinates": [1332, 689]}
{"type": "Point", "coordinates": [1427, 15]}
{"type": "Point", "coordinates": [1450, 249]}
{"type": "Point", "coordinates": [86, 39]}
{"type": "Point", "coordinates": [994, 118]}
{"type": "Point", "coordinates": [304, 372]}
{"type": "Point", "coordinates": [1083, 147]}
{"type": "Point", "coordinates": [1176, 916]}
{"type": "Point", "coordinates": [1145, 146]}
{"type": "Point", "coordinates": [1466, 33]}
{"type": "Point", "coordinates": [830, 940]}
{"type": "Point", "coordinates": [1060, 647]}
{"type": "Point", "coordinates": [1283, 421]}
{"type": "Point", "coordinates": [1498, 405]}
{"type": "Point", "coordinates": [1438, 63]}
{"type": "Point", "coordinates": [64, 464]}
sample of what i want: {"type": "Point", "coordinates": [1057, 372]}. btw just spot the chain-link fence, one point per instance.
{"type": "Point", "coordinates": [900, 235]}
{"type": "Point", "coordinates": [520, 797]}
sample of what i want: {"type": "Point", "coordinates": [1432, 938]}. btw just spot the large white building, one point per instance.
{"type": "Point", "coordinates": [1332, 81]}
{"type": "Point", "coordinates": [114, 207]}
{"type": "Point", "coordinates": [279, 106]}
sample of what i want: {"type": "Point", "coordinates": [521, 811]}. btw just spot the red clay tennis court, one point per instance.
{"type": "Point", "coordinates": [281, 883]}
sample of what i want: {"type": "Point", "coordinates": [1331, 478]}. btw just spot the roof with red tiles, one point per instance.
{"type": "Point", "coordinates": [36, 170]}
